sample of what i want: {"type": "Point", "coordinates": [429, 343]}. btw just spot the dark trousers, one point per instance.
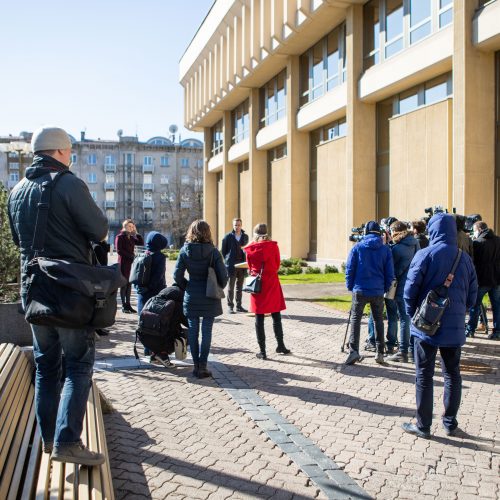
{"type": "Point", "coordinates": [125, 292]}
{"type": "Point", "coordinates": [359, 302]}
{"type": "Point", "coordinates": [425, 360]}
{"type": "Point", "coordinates": [261, 334]}
{"type": "Point", "coordinates": [236, 279]}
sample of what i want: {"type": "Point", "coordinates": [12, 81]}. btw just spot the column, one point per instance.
{"type": "Point", "coordinates": [209, 184]}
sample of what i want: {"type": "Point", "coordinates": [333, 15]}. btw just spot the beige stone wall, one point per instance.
{"type": "Point", "coordinates": [420, 160]}
{"type": "Point", "coordinates": [281, 213]}
{"type": "Point", "coordinates": [218, 234]}
{"type": "Point", "coordinates": [246, 200]}
{"type": "Point", "coordinates": [333, 223]}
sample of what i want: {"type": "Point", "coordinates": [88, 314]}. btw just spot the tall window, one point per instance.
{"type": "Point", "coordinates": [323, 65]}
{"type": "Point", "coordinates": [91, 159]}
{"type": "Point", "coordinates": [109, 160]}
{"type": "Point", "coordinates": [91, 178]}
{"type": "Point", "coordinates": [185, 162]}
{"type": "Point", "coordinates": [148, 160]}
{"type": "Point", "coordinates": [74, 158]}
{"type": "Point", "coordinates": [164, 161]}
{"type": "Point", "coordinates": [241, 121]}
{"type": "Point", "coordinates": [390, 26]}
{"type": "Point", "coordinates": [273, 100]}
{"type": "Point", "coordinates": [129, 159]}
{"type": "Point", "coordinates": [217, 138]}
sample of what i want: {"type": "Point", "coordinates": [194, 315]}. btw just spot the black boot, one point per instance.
{"type": "Point", "coordinates": [203, 371]}
{"type": "Point", "coordinates": [196, 370]}
{"type": "Point", "coordinates": [278, 333]}
{"type": "Point", "coordinates": [261, 335]}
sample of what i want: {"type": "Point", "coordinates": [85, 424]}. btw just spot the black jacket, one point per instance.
{"type": "Point", "coordinates": [232, 250]}
{"type": "Point", "coordinates": [487, 258]}
{"type": "Point", "coordinates": [74, 218]}
{"type": "Point", "coordinates": [423, 241]}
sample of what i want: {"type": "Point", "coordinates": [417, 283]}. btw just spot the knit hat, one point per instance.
{"type": "Point", "coordinates": [372, 227]}
{"type": "Point", "coordinates": [49, 139]}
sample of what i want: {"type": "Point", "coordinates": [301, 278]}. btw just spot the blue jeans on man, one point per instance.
{"type": "Point", "coordinates": [425, 360]}
{"type": "Point", "coordinates": [494, 295]}
{"type": "Point", "coordinates": [60, 405]}
{"type": "Point", "coordinates": [200, 353]}
{"type": "Point", "coordinates": [392, 325]}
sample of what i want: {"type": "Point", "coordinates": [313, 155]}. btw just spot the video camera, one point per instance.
{"type": "Point", "coordinates": [470, 220]}
{"type": "Point", "coordinates": [357, 233]}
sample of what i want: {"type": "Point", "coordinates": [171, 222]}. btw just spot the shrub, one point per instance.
{"type": "Point", "coordinates": [342, 266]}
{"type": "Point", "coordinates": [313, 270]}
{"type": "Point", "coordinates": [331, 269]}
{"type": "Point", "coordinates": [173, 255]}
{"type": "Point", "coordinates": [9, 254]}
{"type": "Point", "coordinates": [293, 269]}
{"type": "Point", "coordinates": [286, 263]}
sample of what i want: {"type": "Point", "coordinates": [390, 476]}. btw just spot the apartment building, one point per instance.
{"type": "Point", "coordinates": [321, 115]}
{"type": "Point", "coordinates": [158, 183]}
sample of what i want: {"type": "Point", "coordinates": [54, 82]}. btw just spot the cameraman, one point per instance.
{"type": "Point", "coordinates": [369, 273]}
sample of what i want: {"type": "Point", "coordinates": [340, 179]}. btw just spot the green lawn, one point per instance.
{"type": "Point", "coordinates": [294, 279]}
{"type": "Point", "coordinates": [338, 302]}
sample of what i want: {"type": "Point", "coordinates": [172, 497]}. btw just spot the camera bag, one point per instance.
{"type": "Point", "coordinates": [427, 317]}
{"type": "Point", "coordinates": [67, 294]}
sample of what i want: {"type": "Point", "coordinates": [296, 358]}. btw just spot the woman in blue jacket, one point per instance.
{"type": "Point", "coordinates": [195, 257]}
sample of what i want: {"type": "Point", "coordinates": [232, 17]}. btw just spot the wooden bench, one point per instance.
{"type": "Point", "coordinates": [26, 472]}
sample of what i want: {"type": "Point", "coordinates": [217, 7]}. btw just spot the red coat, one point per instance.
{"type": "Point", "coordinates": [270, 299]}
{"type": "Point", "coordinates": [124, 246]}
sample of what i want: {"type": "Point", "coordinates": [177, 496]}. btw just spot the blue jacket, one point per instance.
{"type": "Point", "coordinates": [429, 270]}
{"type": "Point", "coordinates": [155, 243]}
{"type": "Point", "coordinates": [232, 249]}
{"type": "Point", "coordinates": [402, 254]}
{"type": "Point", "coordinates": [195, 259]}
{"type": "Point", "coordinates": [369, 267]}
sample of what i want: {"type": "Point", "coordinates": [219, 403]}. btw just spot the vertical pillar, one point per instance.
{"type": "Point", "coordinates": [229, 181]}
{"type": "Point", "coordinates": [209, 184]}
{"type": "Point", "coordinates": [361, 131]}
{"type": "Point", "coordinates": [473, 119]}
{"type": "Point", "coordinates": [257, 162]}
{"type": "Point", "coordinates": [298, 157]}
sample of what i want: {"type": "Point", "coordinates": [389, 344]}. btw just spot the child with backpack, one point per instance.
{"type": "Point", "coordinates": [155, 243]}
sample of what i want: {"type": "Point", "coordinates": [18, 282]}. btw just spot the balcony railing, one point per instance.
{"type": "Point", "coordinates": [109, 186]}
{"type": "Point", "coordinates": [110, 204]}
{"type": "Point", "coordinates": [148, 204]}
{"type": "Point", "coordinates": [110, 168]}
{"type": "Point", "coordinates": [147, 186]}
{"type": "Point", "coordinates": [148, 169]}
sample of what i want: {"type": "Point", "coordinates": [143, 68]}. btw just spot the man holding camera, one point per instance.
{"type": "Point", "coordinates": [369, 274]}
{"type": "Point", "coordinates": [432, 270]}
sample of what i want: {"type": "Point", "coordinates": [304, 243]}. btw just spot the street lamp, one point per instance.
{"type": "Point", "coordinates": [21, 148]}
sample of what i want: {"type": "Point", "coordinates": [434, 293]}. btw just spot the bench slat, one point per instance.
{"type": "Point", "coordinates": [11, 426]}
{"type": "Point", "coordinates": [5, 353]}
{"type": "Point", "coordinates": [83, 483]}
{"type": "Point", "coordinates": [43, 483]}
{"type": "Point", "coordinates": [70, 491]}
{"type": "Point", "coordinates": [30, 479]}
{"type": "Point", "coordinates": [24, 448]}
{"type": "Point", "coordinates": [56, 480]}
{"type": "Point", "coordinates": [96, 483]}
{"type": "Point", "coordinates": [105, 468]}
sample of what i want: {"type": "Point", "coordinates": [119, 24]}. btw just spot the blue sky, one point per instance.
{"type": "Point", "coordinates": [95, 65]}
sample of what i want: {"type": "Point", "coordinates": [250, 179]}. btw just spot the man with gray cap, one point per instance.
{"type": "Point", "coordinates": [369, 273]}
{"type": "Point", "coordinates": [74, 220]}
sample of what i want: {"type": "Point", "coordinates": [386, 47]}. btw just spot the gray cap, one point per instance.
{"type": "Point", "coordinates": [50, 138]}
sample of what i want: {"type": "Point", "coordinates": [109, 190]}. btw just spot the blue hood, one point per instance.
{"type": "Point", "coordinates": [155, 241]}
{"type": "Point", "coordinates": [373, 241]}
{"type": "Point", "coordinates": [442, 228]}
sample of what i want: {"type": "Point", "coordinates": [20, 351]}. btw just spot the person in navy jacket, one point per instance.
{"type": "Point", "coordinates": [369, 274]}
{"type": "Point", "coordinates": [429, 270]}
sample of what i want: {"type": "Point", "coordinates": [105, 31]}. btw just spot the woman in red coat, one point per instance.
{"type": "Point", "coordinates": [263, 255]}
{"type": "Point", "coordinates": [125, 242]}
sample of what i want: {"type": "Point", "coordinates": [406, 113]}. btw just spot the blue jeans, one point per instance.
{"type": "Point", "coordinates": [404, 326]}
{"type": "Point", "coordinates": [425, 361]}
{"type": "Point", "coordinates": [200, 355]}
{"type": "Point", "coordinates": [392, 325]}
{"type": "Point", "coordinates": [60, 413]}
{"type": "Point", "coordinates": [494, 295]}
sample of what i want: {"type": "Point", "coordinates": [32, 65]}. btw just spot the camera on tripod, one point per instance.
{"type": "Point", "coordinates": [357, 233]}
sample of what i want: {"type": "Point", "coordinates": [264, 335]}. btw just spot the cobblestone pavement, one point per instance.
{"type": "Point", "coordinates": [172, 435]}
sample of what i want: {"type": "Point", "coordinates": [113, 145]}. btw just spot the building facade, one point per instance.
{"type": "Point", "coordinates": [321, 115]}
{"type": "Point", "coordinates": [157, 183]}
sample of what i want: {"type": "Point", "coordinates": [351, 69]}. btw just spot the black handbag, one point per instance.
{"type": "Point", "coordinates": [67, 294]}
{"type": "Point", "coordinates": [253, 284]}
{"type": "Point", "coordinates": [427, 317]}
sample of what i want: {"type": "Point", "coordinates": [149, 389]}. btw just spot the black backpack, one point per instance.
{"type": "Point", "coordinates": [140, 273]}
{"type": "Point", "coordinates": [154, 327]}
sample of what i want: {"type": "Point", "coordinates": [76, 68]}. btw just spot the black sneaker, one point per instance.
{"type": "Point", "coordinates": [450, 432]}
{"type": "Point", "coordinates": [241, 309]}
{"type": "Point", "coordinates": [353, 357]}
{"type": "Point", "coordinates": [131, 309]}
{"type": "Point", "coordinates": [494, 336]}
{"type": "Point", "coordinates": [379, 358]}
{"type": "Point", "coordinates": [282, 350]}
{"type": "Point", "coordinates": [77, 453]}
{"type": "Point", "coordinates": [413, 429]}
{"type": "Point", "coordinates": [370, 347]}
{"type": "Point", "coordinates": [399, 357]}
{"type": "Point", "coordinates": [230, 310]}
{"type": "Point", "coordinates": [261, 355]}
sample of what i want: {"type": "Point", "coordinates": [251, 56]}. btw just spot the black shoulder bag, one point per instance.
{"type": "Point", "coordinates": [427, 317]}
{"type": "Point", "coordinates": [253, 284]}
{"type": "Point", "coordinates": [66, 294]}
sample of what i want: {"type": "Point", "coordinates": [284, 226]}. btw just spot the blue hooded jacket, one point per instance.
{"type": "Point", "coordinates": [429, 270]}
{"type": "Point", "coordinates": [369, 268]}
{"type": "Point", "coordinates": [155, 243]}
{"type": "Point", "coordinates": [402, 254]}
